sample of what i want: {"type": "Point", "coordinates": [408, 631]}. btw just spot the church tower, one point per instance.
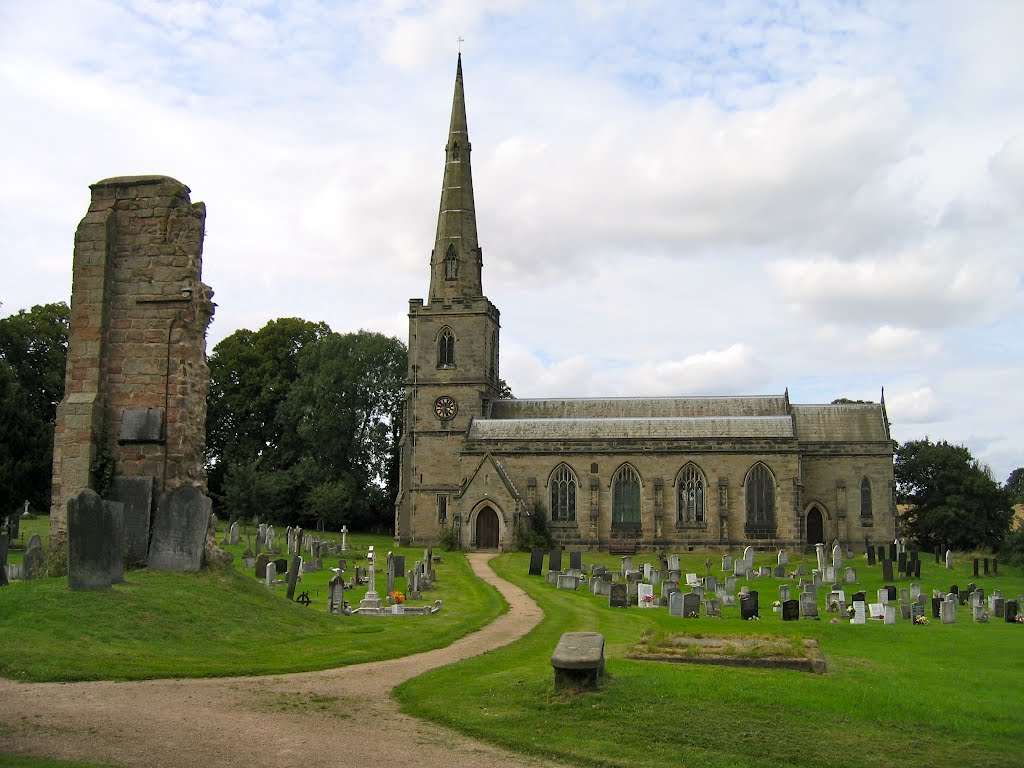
{"type": "Point", "coordinates": [453, 352]}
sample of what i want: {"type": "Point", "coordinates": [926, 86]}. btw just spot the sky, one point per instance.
{"type": "Point", "coordinates": [673, 198]}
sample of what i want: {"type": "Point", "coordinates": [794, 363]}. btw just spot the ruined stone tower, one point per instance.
{"type": "Point", "coordinates": [132, 420]}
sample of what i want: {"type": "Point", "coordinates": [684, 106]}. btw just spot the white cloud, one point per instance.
{"type": "Point", "coordinates": [917, 406]}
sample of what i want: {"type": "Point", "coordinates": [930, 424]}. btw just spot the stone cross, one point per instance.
{"type": "Point", "coordinates": [344, 534]}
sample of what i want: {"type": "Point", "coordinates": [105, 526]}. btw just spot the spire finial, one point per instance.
{"type": "Point", "coordinates": [461, 40]}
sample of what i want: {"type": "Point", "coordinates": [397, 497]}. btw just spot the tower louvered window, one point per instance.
{"type": "Point", "coordinates": [451, 264]}
{"type": "Point", "coordinates": [563, 494]}
{"type": "Point", "coordinates": [446, 348]}
{"type": "Point", "coordinates": [690, 495]}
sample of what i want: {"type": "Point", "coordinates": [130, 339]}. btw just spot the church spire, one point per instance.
{"type": "Point", "coordinates": [456, 261]}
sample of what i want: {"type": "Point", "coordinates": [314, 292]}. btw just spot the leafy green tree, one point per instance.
{"type": "Point", "coordinates": [251, 373]}
{"type": "Point", "coordinates": [34, 344]}
{"type": "Point", "coordinates": [952, 499]}
{"type": "Point", "coordinates": [1015, 486]}
{"type": "Point", "coordinates": [346, 407]}
{"type": "Point", "coordinates": [33, 355]}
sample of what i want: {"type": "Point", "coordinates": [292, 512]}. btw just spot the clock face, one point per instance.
{"type": "Point", "coordinates": [445, 408]}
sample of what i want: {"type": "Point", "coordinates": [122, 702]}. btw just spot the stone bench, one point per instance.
{"type": "Point", "coordinates": [578, 660]}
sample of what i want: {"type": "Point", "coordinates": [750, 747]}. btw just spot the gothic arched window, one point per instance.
{"type": "Point", "coordinates": [446, 348]}
{"type": "Point", "coordinates": [563, 494]}
{"type": "Point", "coordinates": [455, 151]}
{"type": "Point", "coordinates": [690, 495]}
{"type": "Point", "coordinates": [760, 487]}
{"type": "Point", "coordinates": [451, 264]}
{"type": "Point", "coordinates": [626, 497]}
{"type": "Point", "coordinates": [865, 497]}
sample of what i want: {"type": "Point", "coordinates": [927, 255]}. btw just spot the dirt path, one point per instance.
{"type": "Point", "coordinates": [281, 720]}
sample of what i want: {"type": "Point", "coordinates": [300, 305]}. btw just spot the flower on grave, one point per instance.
{"type": "Point", "coordinates": [879, 617]}
{"type": "Point", "coordinates": [694, 615]}
{"type": "Point", "coordinates": [835, 620]}
{"type": "Point", "coordinates": [777, 604]}
{"type": "Point", "coordinates": [397, 596]}
{"type": "Point", "coordinates": [850, 610]}
{"type": "Point", "coordinates": [754, 618]}
{"type": "Point", "coordinates": [1019, 619]}
{"type": "Point", "coordinates": [648, 598]}
{"type": "Point", "coordinates": [920, 619]}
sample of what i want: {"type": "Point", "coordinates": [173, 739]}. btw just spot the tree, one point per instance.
{"type": "Point", "coordinates": [346, 407]}
{"type": "Point", "coordinates": [33, 356]}
{"type": "Point", "coordinates": [251, 373]}
{"type": "Point", "coordinates": [952, 499]}
{"type": "Point", "coordinates": [35, 345]}
{"type": "Point", "coordinates": [1015, 486]}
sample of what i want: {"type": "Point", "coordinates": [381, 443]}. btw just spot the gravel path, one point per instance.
{"type": "Point", "coordinates": [334, 718]}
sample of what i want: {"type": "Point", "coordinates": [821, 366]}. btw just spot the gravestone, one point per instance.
{"type": "Point", "coordinates": [618, 596]}
{"type": "Point", "coordinates": [92, 548]}
{"type": "Point", "coordinates": [749, 606]}
{"type": "Point", "coordinates": [893, 551]}
{"type": "Point", "coordinates": [947, 611]}
{"type": "Point", "coordinates": [711, 583]}
{"type": "Point", "coordinates": [782, 557]}
{"type": "Point", "coordinates": [714, 608]}
{"type": "Point", "coordinates": [726, 563]}
{"type": "Point", "coordinates": [936, 606]}
{"type": "Point", "coordinates": [262, 560]}
{"type": "Point", "coordinates": [819, 551]}
{"type": "Point", "coordinates": [889, 614]}
{"type": "Point", "coordinates": [270, 574]}
{"type": "Point", "coordinates": [801, 570]}
{"type": "Point", "coordinates": [1010, 611]}
{"type": "Point", "coordinates": [901, 563]}
{"type": "Point", "coordinates": [985, 561]}
{"type": "Point", "coordinates": [976, 567]}
{"type": "Point", "coordinates": [672, 563]}
{"type": "Point", "coordinates": [576, 560]}
{"type": "Point", "coordinates": [33, 563]}
{"type": "Point", "coordinates": [627, 563]}
{"type": "Point", "coordinates": [949, 559]}
{"type": "Point", "coordinates": [536, 562]}
{"type": "Point", "coordinates": [916, 612]}
{"type": "Point", "coordinates": [399, 564]}
{"type": "Point", "coordinates": [850, 576]}
{"type": "Point", "coordinates": [565, 581]}
{"type": "Point", "coordinates": [136, 493]}
{"type": "Point", "coordinates": [904, 595]}
{"type": "Point", "coordinates": [890, 592]}
{"type": "Point", "coordinates": [860, 597]}
{"type": "Point", "coordinates": [859, 612]}
{"type": "Point", "coordinates": [980, 613]}
{"type": "Point", "coordinates": [784, 592]}
{"type": "Point", "coordinates": [837, 557]}
{"type": "Point", "coordinates": [691, 605]}
{"type": "Point", "coordinates": [830, 574]}
{"type": "Point", "coordinates": [115, 509]}
{"type": "Point", "coordinates": [336, 594]}
{"type": "Point", "coordinates": [730, 584]}
{"type": "Point", "coordinates": [234, 534]}
{"type": "Point", "coordinates": [871, 556]}
{"type": "Point", "coordinates": [779, 572]}
{"type": "Point", "coordinates": [887, 574]}
{"type": "Point", "coordinates": [790, 610]}
{"type": "Point", "coordinates": [808, 606]}
{"type": "Point", "coordinates": [645, 595]}
{"type": "Point", "coordinates": [179, 530]}
{"type": "Point", "coordinates": [282, 565]}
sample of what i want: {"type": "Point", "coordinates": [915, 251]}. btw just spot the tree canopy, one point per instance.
{"type": "Point", "coordinates": [303, 423]}
{"type": "Point", "coordinates": [33, 355]}
{"type": "Point", "coordinates": [951, 498]}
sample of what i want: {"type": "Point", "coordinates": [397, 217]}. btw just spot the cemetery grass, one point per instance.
{"type": "Point", "coordinates": [898, 695]}
{"type": "Point", "coordinates": [222, 622]}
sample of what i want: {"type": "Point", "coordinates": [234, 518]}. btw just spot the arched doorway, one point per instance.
{"type": "Point", "coordinates": [487, 529]}
{"type": "Point", "coordinates": [815, 527]}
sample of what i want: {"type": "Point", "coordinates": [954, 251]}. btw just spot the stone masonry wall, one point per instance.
{"type": "Point", "coordinates": [137, 341]}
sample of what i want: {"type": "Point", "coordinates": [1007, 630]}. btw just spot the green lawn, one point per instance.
{"type": "Point", "coordinates": [223, 622]}
{"type": "Point", "coordinates": [898, 695]}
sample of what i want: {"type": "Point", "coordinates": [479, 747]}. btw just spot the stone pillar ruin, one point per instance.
{"type": "Point", "coordinates": [134, 405]}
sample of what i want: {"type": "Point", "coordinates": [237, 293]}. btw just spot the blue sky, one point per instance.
{"type": "Point", "coordinates": [673, 197]}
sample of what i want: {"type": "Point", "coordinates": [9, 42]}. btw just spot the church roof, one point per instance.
{"type": "Point", "coordinates": [642, 407]}
{"type": "Point", "coordinates": [844, 422]}
{"type": "Point", "coordinates": [663, 427]}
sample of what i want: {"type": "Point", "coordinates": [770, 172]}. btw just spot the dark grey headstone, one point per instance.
{"type": "Point", "coordinates": [179, 530]}
{"type": "Point", "coordinates": [142, 425]}
{"type": "Point", "coordinates": [871, 556]}
{"type": "Point", "coordinates": [859, 597]}
{"type": "Point", "coordinates": [536, 561]}
{"type": "Point", "coordinates": [936, 607]}
{"type": "Point", "coordinates": [4, 541]}
{"type": "Point", "coordinates": [881, 552]}
{"type": "Point", "coordinates": [976, 566]}
{"type": "Point", "coordinates": [901, 562]}
{"type": "Point", "coordinates": [892, 551]}
{"type": "Point", "coordinates": [691, 605]}
{"type": "Point", "coordinates": [780, 571]}
{"type": "Point", "coordinates": [576, 561]}
{"type": "Point", "coordinates": [618, 596]}
{"type": "Point", "coordinates": [916, 612]}
{"type": "Point", "coordinates": [1010, 611]}
{"type": "Point", "coordinates": [555, 560]}
{"type": "Point", "coordinates": [399, 564]}
{"type": "Point", "coordinates": [33, 564]}
{"type": "Point", "coordinates": [136, 493]}
{"type": "Point", "coordinates": [281, 563]}
{"type": "Point", "coordinates": [14, 526]}
{"type": "Point", "coordinates": [91, 544]}
{"type": "Point", "coordinates": [261, 565]}
{"type": "Point", "coordinates": [293, 577]}
{"type": "Point", "coordinates": [790, 610]}
{"type": "Point", "coordinates": [336, 594]}
{"type": "Point", "coordinates": [116, 511]}
{"type": "Point", "coordinates": [887, 574]}
{"type": "Point", "coordinates": [891, 591]}
{"type": "Point", "coordinates": [917, 569]}
{"type": "Point", "coordinates": [748, 606]}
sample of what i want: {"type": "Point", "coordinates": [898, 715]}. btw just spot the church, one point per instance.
{"type": "Point", "coordinates": [674, 473]}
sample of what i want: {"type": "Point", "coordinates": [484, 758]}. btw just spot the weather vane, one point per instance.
{"type": "Point", "coordinates": [461, 41]}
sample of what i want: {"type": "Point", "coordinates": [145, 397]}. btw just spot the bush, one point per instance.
{"type": "Point", "coordinates": [1012, 551]}
{"type": "Point", "coordinates": [448, 539]}
{"type": "Point", "coordinates": [538, 535]}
